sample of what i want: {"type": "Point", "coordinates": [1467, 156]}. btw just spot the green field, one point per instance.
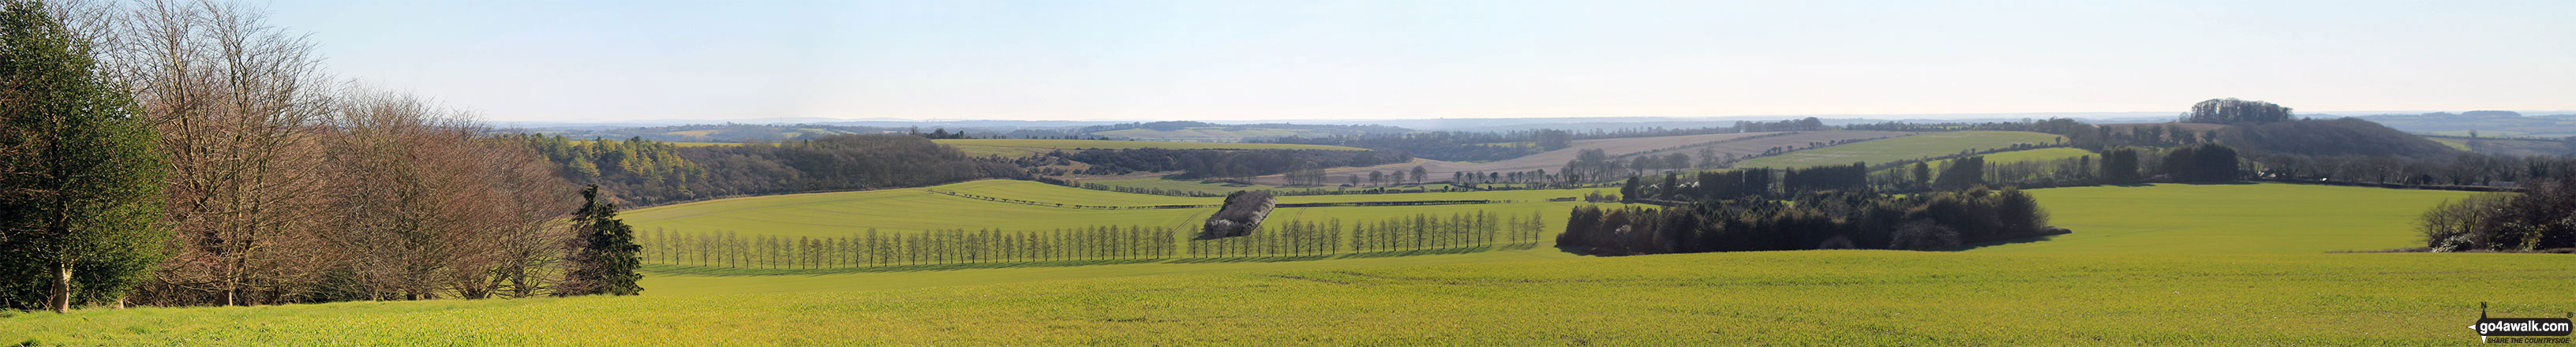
{"type": "Point", "coordinates": [915, 209]}
{"type": "Point", "coordinates": [2231, 218]}
{"type": "Point", "coordinates": [1838, 298]}
{"type": "Point", "coordinates": [1901, 148]}
{"type": "Point", "coordinates": [2150, 265]}
{"type": "Point", "coordinates": [1020, 147]}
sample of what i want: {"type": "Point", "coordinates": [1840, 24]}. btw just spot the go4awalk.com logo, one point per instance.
{"type": "Point", "coordinates": [2520, 330]}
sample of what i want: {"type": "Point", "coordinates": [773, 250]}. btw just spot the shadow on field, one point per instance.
{"type": "Point", "coordinates": [726, 271]}
{"type": "Point", "coordinates": [1969, 246]}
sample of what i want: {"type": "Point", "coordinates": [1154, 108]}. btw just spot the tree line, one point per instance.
{"type": "Point", "coordinates": [873, 248]}
{"type": "Point", "coordinates": [647, 172]}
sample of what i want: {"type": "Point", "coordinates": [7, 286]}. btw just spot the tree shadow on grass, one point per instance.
{"type": "Point", "coordinates": [2007, 241]}
{"type": "Point", "coordinates": [694, 270]}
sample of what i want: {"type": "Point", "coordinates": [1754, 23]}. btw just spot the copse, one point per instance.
{"type": "Point", "coordinates": [2542, 217]}
{"type": "Point", "coordinates": [1962, 173]}
{"type": "Point", "coordinates": [2208, 162]}
{"type": "Point", "coordinates": [2231, 111]}
{"type": "Point", "coordinates": [2120, 165]}
{"type": "Point", "coordinates": [80, 178]}
{"type": "Point", "coordinates": [1813, 220]}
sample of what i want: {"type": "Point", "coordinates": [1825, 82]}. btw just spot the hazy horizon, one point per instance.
{"type": "Point", "coordinates": [1224, 61]}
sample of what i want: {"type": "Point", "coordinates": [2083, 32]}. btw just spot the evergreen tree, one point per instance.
{"type": "Point", "coordinates": [80, 178]}
{"type": "Point", "coordinates": [603, 260]}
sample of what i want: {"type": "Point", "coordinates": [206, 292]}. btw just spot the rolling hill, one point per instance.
{"type": "Point", "coordinates": [1736, 144]}
{"type": "Point", "coordinates": [1021, 147]}
{"type": "Point", "coordinates": [1909, 147]}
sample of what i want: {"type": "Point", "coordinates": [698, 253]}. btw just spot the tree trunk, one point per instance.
{"type": "Point", "coordinates": [62, 302]}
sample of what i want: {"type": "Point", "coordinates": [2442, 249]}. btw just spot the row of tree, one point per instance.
{"type": "Point", "coordinates": [729, 249]}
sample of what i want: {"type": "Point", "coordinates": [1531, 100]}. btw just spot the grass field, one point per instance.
{"type": "Point", "coordinates": [1020, 148]}
{"type": "Point", "coordinates": [915, 209]}
{"type": "Point", "coordinates": [2148, 265]}
{"type": "Point", "coordinates": [1838, 298]}
{"type": "Point", "coordinates": [1901, 148]}
{"type": "Point", "coordinates": [2230, 218]}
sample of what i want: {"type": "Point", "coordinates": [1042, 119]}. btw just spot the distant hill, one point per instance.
{"type": "Point", "coordinates": [718, 132]}
{"type": "Point", "coordinates": [1190, 131]}
{"type": "Point", "coordinates": [2331, 137]}
{"type": "Point", "coordinates": [2485, 123]}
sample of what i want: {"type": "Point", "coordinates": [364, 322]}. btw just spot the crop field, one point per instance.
{"type": "Point", "coordinates": [1737, 144]}
{"type": "Point", "coordinates": [2230, 218]}
{"type": "Point", "coordinates": [1022, 148]}
{"type": "Point", "coordinates": [1909, 147]}
{"type": "Point", "coordinates": [1775, 298]}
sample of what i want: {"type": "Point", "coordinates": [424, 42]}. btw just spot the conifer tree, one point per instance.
{"type": "Point", "coordinates": [603, 260]}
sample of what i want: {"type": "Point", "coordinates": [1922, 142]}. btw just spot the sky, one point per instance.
{"type": "Point", "coordinates": [1248, 60]}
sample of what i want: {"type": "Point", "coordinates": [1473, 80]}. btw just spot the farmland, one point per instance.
{"type": "Point", "coordinates": [1909, 147]}
{"type": "Point", "coordinates": [2133, 262]}
{"type": "Point", "coordinates": [2230, 218]}
{"type": "Point", "coordinates": [1733, 144]}
{"type": "Point", "coordinates": [1021, 147]}
{"type": "Point", "coordinates": [915, 209]}
{"type": "Point", "coordinates": [1785, 298]}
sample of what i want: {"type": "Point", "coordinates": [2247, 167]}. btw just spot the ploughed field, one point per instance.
{"type": "Point", "coordinates": [2237, 264]}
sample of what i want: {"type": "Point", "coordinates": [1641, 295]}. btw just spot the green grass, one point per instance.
{"type": "Point", "coordinates": [914, 209]}
{"type": "Point", "coordinates": [1020, 147]}
{"type": "Point", "coordinates": [2230, 218]}
{"type": "Point", "coordinates": [2152, 265]}
{"type": "Point", "coordinates": [1901, 148]}
{"type": "Point", "coordinates": [1838, 298]}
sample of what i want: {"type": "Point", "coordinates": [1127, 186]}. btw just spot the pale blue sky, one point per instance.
{"type": "Point", "coordinates": [1217, 60]}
